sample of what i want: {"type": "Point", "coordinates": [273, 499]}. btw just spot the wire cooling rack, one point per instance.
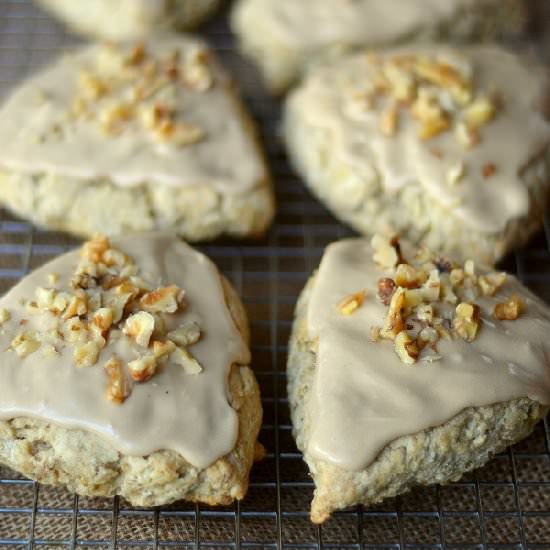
{"type": "Point", "coordinates": [503, 505]}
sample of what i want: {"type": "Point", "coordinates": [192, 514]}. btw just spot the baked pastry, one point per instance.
{"type": "Point", "coordinates": [285, 36]}
{"type": "Point", "coordinates": [134, 138]}
{"type": "Point", "coordinates": [129, 19]}
{"type": "Point", "coordinates": [124, 372]}
{"type": "Point", "coordinates": [408, 369]}
{"type": "Point", "coordinates": [448, 147]}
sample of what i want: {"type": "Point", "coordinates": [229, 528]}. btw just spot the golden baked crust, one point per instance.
{"type": "Point", "coordinates": [131, 19]}
{"type": "Point", "coordinates": [436, 455]}
{"type": "Point", "coordinates": [87, 465]}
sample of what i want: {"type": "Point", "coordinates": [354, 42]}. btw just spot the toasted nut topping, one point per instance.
{"type": "Point", "coordinates": [406, 348]}
{"type": "Point", "coordinates": [24, 344]}
{"type": "Point", "coordinates": [491, 283]}
{"type": "Point", "coordinates": [4, 315]}
{"type": "Point", "coordinates": [351, 303]}
{"type": "Point", "coordinates": [393, 324]}
{"type": "Point", "coordinates": [480, 112]}
{"type": "Point", "coordinates": [181, 357]}
{"type": "Point", "coordinates": [425, 312]}
{"type": "Point", "coordinates": [103, 318]}
{"type": "Point", "coordinates": [86, 355]}
{"type": "Point", "coordinates": [92, 86]}
{"type": "Point", "coordinates": [386, 254]}
{"type": "Point", "coordinates": [162, 300]}
{"type": "Point", "coordinates": [509, 310]}
{"type": "Point", "coordinates": [162, 349]}
{"type": "Point", "coordinates": [407, 276]}
{"type": "Point", "coordinates": [389, 120]}
{"type": "Point", "coordinates": [140, 327]}
{"type": "Point", "coordinates": [78, 305]}
{"type": "Point", "coordinates": [432, 128]}
{"type": "Point", "coordinates": [117, 388]}
{"type": "Point", "coordinates": [142, 369]}
{"type": "Point", "coordinates": [489, 170]}
{"type": "Point", "coordinates": [386, 288]}
{"type": "Point", "coordinates": [375, 334]}
{"type": "Point", "coordinates": [466, 321]}
{"type": "Point", "coordinates": [185, 335]}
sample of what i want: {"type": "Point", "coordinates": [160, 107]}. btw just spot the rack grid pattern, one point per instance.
{"type": "Point", "coordinates": [505, 505]}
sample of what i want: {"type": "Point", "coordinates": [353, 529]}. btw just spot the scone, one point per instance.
{"type": "Point", "coordinates": [129, 19]}
{"type": "Point", "coordinates": [447, 147]}
{"type": "Point", "coordinates": [408, 369]}
{"type": "Point", "coordinates": [285, 36]}
{"type": "Point", "coordinates": [134, 137]}
{"type": "Point", "coordinates": [124, 372]}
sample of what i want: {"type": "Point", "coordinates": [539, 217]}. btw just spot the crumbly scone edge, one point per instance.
{"type": "Point", "coordinates": [282, 65]}
{"type": "Point", "coordinates": [87, 465]}
{"type": "Point", "coordinates": [437, 455]}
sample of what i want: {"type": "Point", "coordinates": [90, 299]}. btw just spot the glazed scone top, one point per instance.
{"type": "Point", "coordinates": [310, 24]}
{"type": "Point", "coordinates": [132, 341]}
{"type": "Point", "coordinates": [461, 124]}
{"type": "Point", "coordinates": [406, 341]}
{"type": "Point", "coordinates": [161, 112]}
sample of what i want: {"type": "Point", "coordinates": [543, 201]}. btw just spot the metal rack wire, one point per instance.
{"type": "Point", "coordinates": [504, 505]}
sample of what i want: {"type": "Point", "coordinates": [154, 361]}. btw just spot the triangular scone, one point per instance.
{"type": "Point", "coordinates": [285, 36]}
{"type": "Point", "coordinates": [128, 19]}
{"type": "Point", "coordinates": [408, 369]}
{"type": "Point", "coordinates": [134, 137]}
{"type": "Point", "coordinates": [124, 373]}
{"type": "Point", "coordinates": [446, 146]}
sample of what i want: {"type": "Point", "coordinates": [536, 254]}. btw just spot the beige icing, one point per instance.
{"type": "Point", "coordinates": [310, 24]}
{"type": "Point", "coordinates": [186, 413]}
{"type": "Point", "coordinates": [84, 151]}
{"type": "Point", "coordinates": [364, 397]}
{"type": "Point", "coordinates": [512, 140]}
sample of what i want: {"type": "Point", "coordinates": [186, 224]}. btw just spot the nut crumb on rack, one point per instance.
{"type": "Point", "coordinates": [428, 298]}
{"type": "Point", "coordinates": [106, 299]}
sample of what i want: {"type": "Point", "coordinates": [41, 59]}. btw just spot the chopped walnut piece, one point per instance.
{"type": "Point", "coordinates": [489, 170]}
{"type": "Point", "coordinates": [140, 327]}
{"type": "Point", "coordinates": [118, 388]}
{"type": "Point", "coordinates": [136, 56]}
{"type": "Point", "coordinates": [407, 276]}
{"type": "Point", "coordinates": [78, 305]}
{"type": "Point", "coordinates": [481, 111]}
{"type": "Point", "coordinates": [24, 344]}
{"type": "Point", "coordinates": [428, 336]}
{"type": "Point", "coordinates": [351, 303]}
{"type": "Point", "coordinates": [86, 355]}
{"type": "Point", "coordinates": [406, 348]}
{"type": "Point", "coordinates": [393, 323]}
{"type": "Point", "coordinates": [75, 330]}
{"type": "Point", "coordinates": [181, 357]}
{"type": "Point", "coordinates": [509, 310]}
{"type": "Point", "coordinates": [385, 252]}
{"type": "Point", "coordinates": [186, 335]}
{"type": "Point", "coordinates": [196, 73]}
{"type": "Point", "coordinates": [457, 276]}
{"type": "Point", "coordinates": [162, 300]}
{"type": "Point", "coordinates": [103, 318]}
{"type": "Point", "coordinates": [112, 117]}
{"type": "Point", "coordinates": [93, 86]}
{"type": "Point", "coordinates": [162, 349]}
{"type": "Point", "coordinates": [466, 321]}
{"type": "Point", "coordinates": [386, 288]}
{"type": "Point", "coordinates": [467, 137]}
{"type": "Point", "coordinates": [4, 315]}
{"type": "Point", "coordinates": [491, 283]}
{"type": "Point", "coordinates": [389, 120]}
{"type": "Point", "coordinates": [142, 369]}
{"type": "Point", "coordinates": [432, 128]}
{"type": "Point", "coordinates": [425, 312]}
{"type": "Point", "coordinates": [375, 334]}
{"type": "Point", "coordinates": [93, 249]}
